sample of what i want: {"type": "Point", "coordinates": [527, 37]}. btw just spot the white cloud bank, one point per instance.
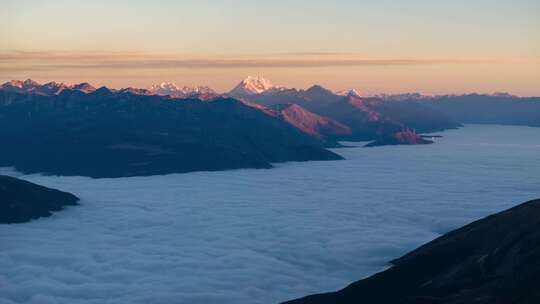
{"type": "Point", "coordinates": [262, 236]}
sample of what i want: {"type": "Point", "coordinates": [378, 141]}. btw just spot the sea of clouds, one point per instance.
{"type": "Point", "coordinates": [262, 236]}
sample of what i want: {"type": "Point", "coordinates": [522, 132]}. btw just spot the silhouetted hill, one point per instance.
{"type": "Point", "coordinates": [22, 201]}
{"type": "Point", "coordinates": [110, 134]}
{"type": "Point", "coordinates": [495, 260]}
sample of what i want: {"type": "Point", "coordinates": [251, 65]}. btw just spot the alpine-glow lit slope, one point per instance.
{"type": "Point", "coordinates": [262, 236]}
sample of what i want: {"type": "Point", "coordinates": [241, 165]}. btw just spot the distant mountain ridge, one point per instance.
{"type": "Point", "coordinates": [251, 85]}
{"type": "Point", "coordinates": [488, 109]}
{"type": "Point", "coordinates": [50, 88]}
{"type": "Point", "coordinates": [496, 108]}
{"type": "Point", "coordinates": [379, 117]}
{"type": "Point", "coordinates": [312, 112]}
{"type": "Point", "coordinates": [171, 89]}
{"type": "Point", "coordinates": [368, 118]}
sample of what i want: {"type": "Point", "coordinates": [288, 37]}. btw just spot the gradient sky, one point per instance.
{"type": "Point", "coordinates": [430, 46]}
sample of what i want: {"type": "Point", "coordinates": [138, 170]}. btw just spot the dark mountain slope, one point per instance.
{"type": "Point", "coordinates": [311, 123]}
{"type": "Point", "coordinates": [361, 116]}
{"type": "Point", "coordinates": [314, 99]}
{"type": "Point", "coordinates": [22, 201]}
{"type": "Point", "coordinates": [112, 134]}
{"type": "Point", "coordinates": [495, 260]}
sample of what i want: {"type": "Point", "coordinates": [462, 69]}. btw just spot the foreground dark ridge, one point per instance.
{"type": "Point", "coordinates": [22, 201]}
{"type": "Point", "coordinates": [495, 260]}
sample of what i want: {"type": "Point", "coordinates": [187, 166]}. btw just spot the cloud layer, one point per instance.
{"type": "Point", "coordinates": [262, 236]}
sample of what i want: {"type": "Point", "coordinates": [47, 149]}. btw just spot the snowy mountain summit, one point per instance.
{"type": "Point", "coordinates": [253, 85]}
{"type": "Point", "coordinates": [169, 88]}
{"type": "Point", "coordinates": [351, 92]}
{"type": "Point", "coordinates": [49, 88]}
{"type": "Point", "coordinates": [164, 88]}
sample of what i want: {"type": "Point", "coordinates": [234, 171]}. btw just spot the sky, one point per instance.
{"type": "Point", "coordinates": [427, 46]}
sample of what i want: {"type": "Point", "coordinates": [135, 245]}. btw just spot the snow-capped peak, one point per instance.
{"type": "Point", "coordinates": [84, 87]}
{"type": "Point", "coordinates": [28, 83]}
{"type": "Point", "coordinates": [351, 92]}
{"type": "Point", "coordinates": [14, 83]}
{"type": "Point", "coordinates": [253, 85]}
{"type": "Point", "coordinates": [197, 90]}
{"type": "Point", "coordinates": [164, 88]}
{"type": "Point", "coordinates": [257, 84]}
{"type": "Point", "coordinates": [169, 88]}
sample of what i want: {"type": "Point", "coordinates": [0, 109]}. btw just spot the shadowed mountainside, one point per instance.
{"type": "Point", "coordinates": [113, 134]}
{"type": "Point", "coordinates": [494, 260]}
{"type": "Point", "coordinates": [22, 201]}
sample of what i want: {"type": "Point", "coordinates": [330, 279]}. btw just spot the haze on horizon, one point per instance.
{"type": "Point", "coordinates": [435, 47]}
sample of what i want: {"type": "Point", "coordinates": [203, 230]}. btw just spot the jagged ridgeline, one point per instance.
{"type": "Point", "coordinates": [111, 134]}
{"type": "Point", "coordinates": [80, 130]}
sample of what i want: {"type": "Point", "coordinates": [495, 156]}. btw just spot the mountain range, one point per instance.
{"type": "Point", "coordinates": [317, 111]}
{"type": "Point", "coordinates": [367, 118]}
{"type": "Point", "coordinates": [50, 88]}
{"type": "Point", "coordinates": [421, 113]}
{"type": "Point", "coordinates": [83, 130]}
{"type": "Point", "coordinates": [171, 89]}
{"type": "Point", "coordinates": [108, 133]}
{"type": "Point", "coordinates": [413, 111]}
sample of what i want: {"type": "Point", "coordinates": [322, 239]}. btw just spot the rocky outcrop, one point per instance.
{"type": "Point", "coordinates": [22, 201]}
{"type": "Point", "coordinates": [406, 137]}
{"type": "Point", "coordinates": [495, 260]}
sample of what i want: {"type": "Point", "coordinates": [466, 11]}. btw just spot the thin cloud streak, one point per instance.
{"type": "Point", "coordinates": [48, 60]}
{"type": "Point", "coordinates": [18, 55]}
